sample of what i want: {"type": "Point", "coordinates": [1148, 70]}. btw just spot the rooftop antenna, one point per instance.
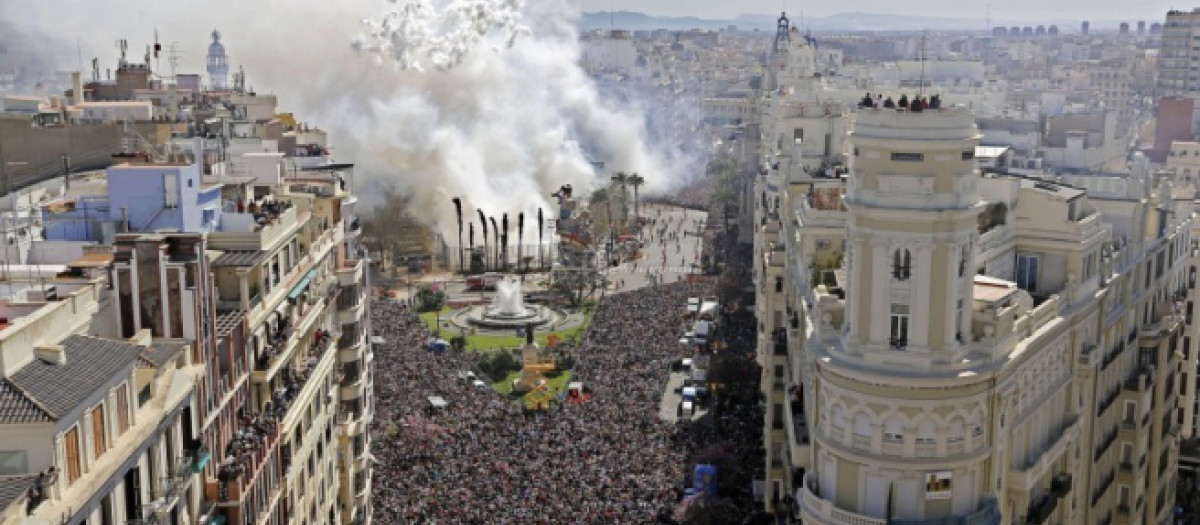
{"type": "Point", "coordinates": [173, 58]}
{"type": "Point", "coordinates": [123, 46]}
{"type": "Point", "coordinates": [921, 91]}
{"type": "Point", "coordinates": [988, 18]}
{"type": "Point", "coordinates": [239, 80]}
{"type": "Point", "coordinates": [79, 51]}
{"type": "Point", "coordinates": [157, 50]}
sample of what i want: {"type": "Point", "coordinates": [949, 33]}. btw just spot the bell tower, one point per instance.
{"type": "Point", "coordinates": [783, 35]}
{"type": "Point", "coordinates": [778, 62]}
{"type": "Point", "coordinates": [218, 64]}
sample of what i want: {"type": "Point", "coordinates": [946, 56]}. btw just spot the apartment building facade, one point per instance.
{"type": "Point", "coordinates": [1176, 54]}
{"type": "Point", "coordinates": [260, 279]}
{"type": "Point", "coordinates": [96, 428]}
{"type": "Point", "coordinates": [990, 349]}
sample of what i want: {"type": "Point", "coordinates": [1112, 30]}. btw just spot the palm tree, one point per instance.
{"type": "Point", "coordinates": [636, 180]}
{"type": "Point", "coordinates": [602, 197]}
{"type": "Point", "coordinates": [621, 179]}
{"type": "Point", "coordinates": [541, 223]}
{"type": "Point", "coordinates": [495, 243]}
{"type": "Point", "coordinates": [504, 242]}
{"type": "Point", "coordinates": [520, 236]}
{"type": "Point", "coordinates": [471, 230]}
{"type": "Point", "coordinates": [483, 222]}
{"type": "Point", "coordinates": [458, 215]}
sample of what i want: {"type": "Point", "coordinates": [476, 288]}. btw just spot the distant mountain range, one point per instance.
{"type": "Point", "coordinates": [839, 22]}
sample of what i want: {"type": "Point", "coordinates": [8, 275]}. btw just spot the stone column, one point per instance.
{"type": "Point", "coordinates": [244, 285]}
{"type": "Point", "coordinates": [135, 290]}
{"type": "Point", "coordinates": [881, 284]}
{"type": "Point", "coordinates": [164, 291]}
{"type": "Point", "coordinates": [919, 322]}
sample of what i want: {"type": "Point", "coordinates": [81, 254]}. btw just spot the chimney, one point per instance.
{"type": "Point", "coordinates": [76, 88]}
{"type": "Point", "coordinates": [143, 337]}
{"type": "Point", "coordinates": [54, 354]}
{"type": "Point", "coordinates": [198, 151]}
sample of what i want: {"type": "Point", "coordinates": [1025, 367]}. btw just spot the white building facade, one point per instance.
{"type": "Point", "coordinates": [982, 349]}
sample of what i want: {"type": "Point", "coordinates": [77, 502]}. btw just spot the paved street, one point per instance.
{"type": "Point", "coordinates": [673, 243]}
{"type": "Point", "coordinates": [668, 408]}
{"type": "Point", "coordinates": [672, 240]}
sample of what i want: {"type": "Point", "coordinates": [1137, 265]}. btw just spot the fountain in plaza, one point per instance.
{"type": "Point", "coordinates": [509, 301]}
{"type": "Point", "coordinates": [508, 309]}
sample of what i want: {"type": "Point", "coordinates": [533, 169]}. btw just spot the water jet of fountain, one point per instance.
{"type": "Point", "coordinates": [509, 301]}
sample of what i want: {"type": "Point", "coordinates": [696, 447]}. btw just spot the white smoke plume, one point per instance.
{"type": "Point", "coordinates": [446, 37]}
{"type": "Point", "coordinates": [497, 119]}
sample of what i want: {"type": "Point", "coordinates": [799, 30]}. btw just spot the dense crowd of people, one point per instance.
{"type": "Point", "coordinates": [485, 459]}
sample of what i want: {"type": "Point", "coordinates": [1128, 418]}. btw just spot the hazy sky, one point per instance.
{"type": "Point", "coordinates": [1150, 10]}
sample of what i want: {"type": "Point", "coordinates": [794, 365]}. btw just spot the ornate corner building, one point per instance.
{"type": "Point", "coordinates": [942, 345]}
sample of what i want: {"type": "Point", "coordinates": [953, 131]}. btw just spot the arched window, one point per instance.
{"type": "Point", "coordinates": [901, 264]}
{"type": "Point", "coordinates": [1191, 277]}
{"type": "Point", "coordinates": [962, 260]}
{"type": "Point", "coordinates": [927, 432]}
{"type": "Point", "coordinates": [862, 425]}
{"type": "Point", "coordinates": [893, 430]}
{"type": "Point", "coordinates": [839, 418]}
{"type": "Point", "coordinates": [957, 431]}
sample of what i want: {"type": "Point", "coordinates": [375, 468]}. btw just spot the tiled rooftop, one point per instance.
{"type": "Point", "coordinates": [227, 322]}
{"type": "Point", "coordinates": [240, 258]}
{"type": "Point", "coordinates": [13, 487]}
{"type": "Point", "coordinates": [16, 408]}
{"type": "Point", "coordinates": [162, 351]}
{"type": "Point", "coordinates": [58, 389]}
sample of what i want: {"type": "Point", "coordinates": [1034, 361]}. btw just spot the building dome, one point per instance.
{"type": "Point", "coordinates": [216, 48]}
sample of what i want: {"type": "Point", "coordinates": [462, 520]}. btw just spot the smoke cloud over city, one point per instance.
{"type": "Point", "coordinates": [482, 99]}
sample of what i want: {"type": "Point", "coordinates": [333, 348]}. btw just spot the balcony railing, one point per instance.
{"type": "Point", "coordinates": [1037, 464]}
{"type": "Point", "coordinates": [1102, 488]}
{"type": "Point", "coordinates": [824, 511]}
{"type": "Point", "coordinates": [274, 346]}
{"type": "Point", "coordinates": [282, 347]}
{"type": "Point", "coordinates": [1040, 509]}
{"type": "Point", "coordinates": [247, 450]}
{"type": "Point", "coordinates": [1112, 355]}
{"type": "Point", "coordinates": [1105, 445]}
{"type": "Point", "coordinates": [799, 430]}
{"type": "Point", "coordinates": [1107, 402]}
{"type": "Point", "coordinates": [1141, 380]}
{"type": "Point", "coordinates": [1061, 484]}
